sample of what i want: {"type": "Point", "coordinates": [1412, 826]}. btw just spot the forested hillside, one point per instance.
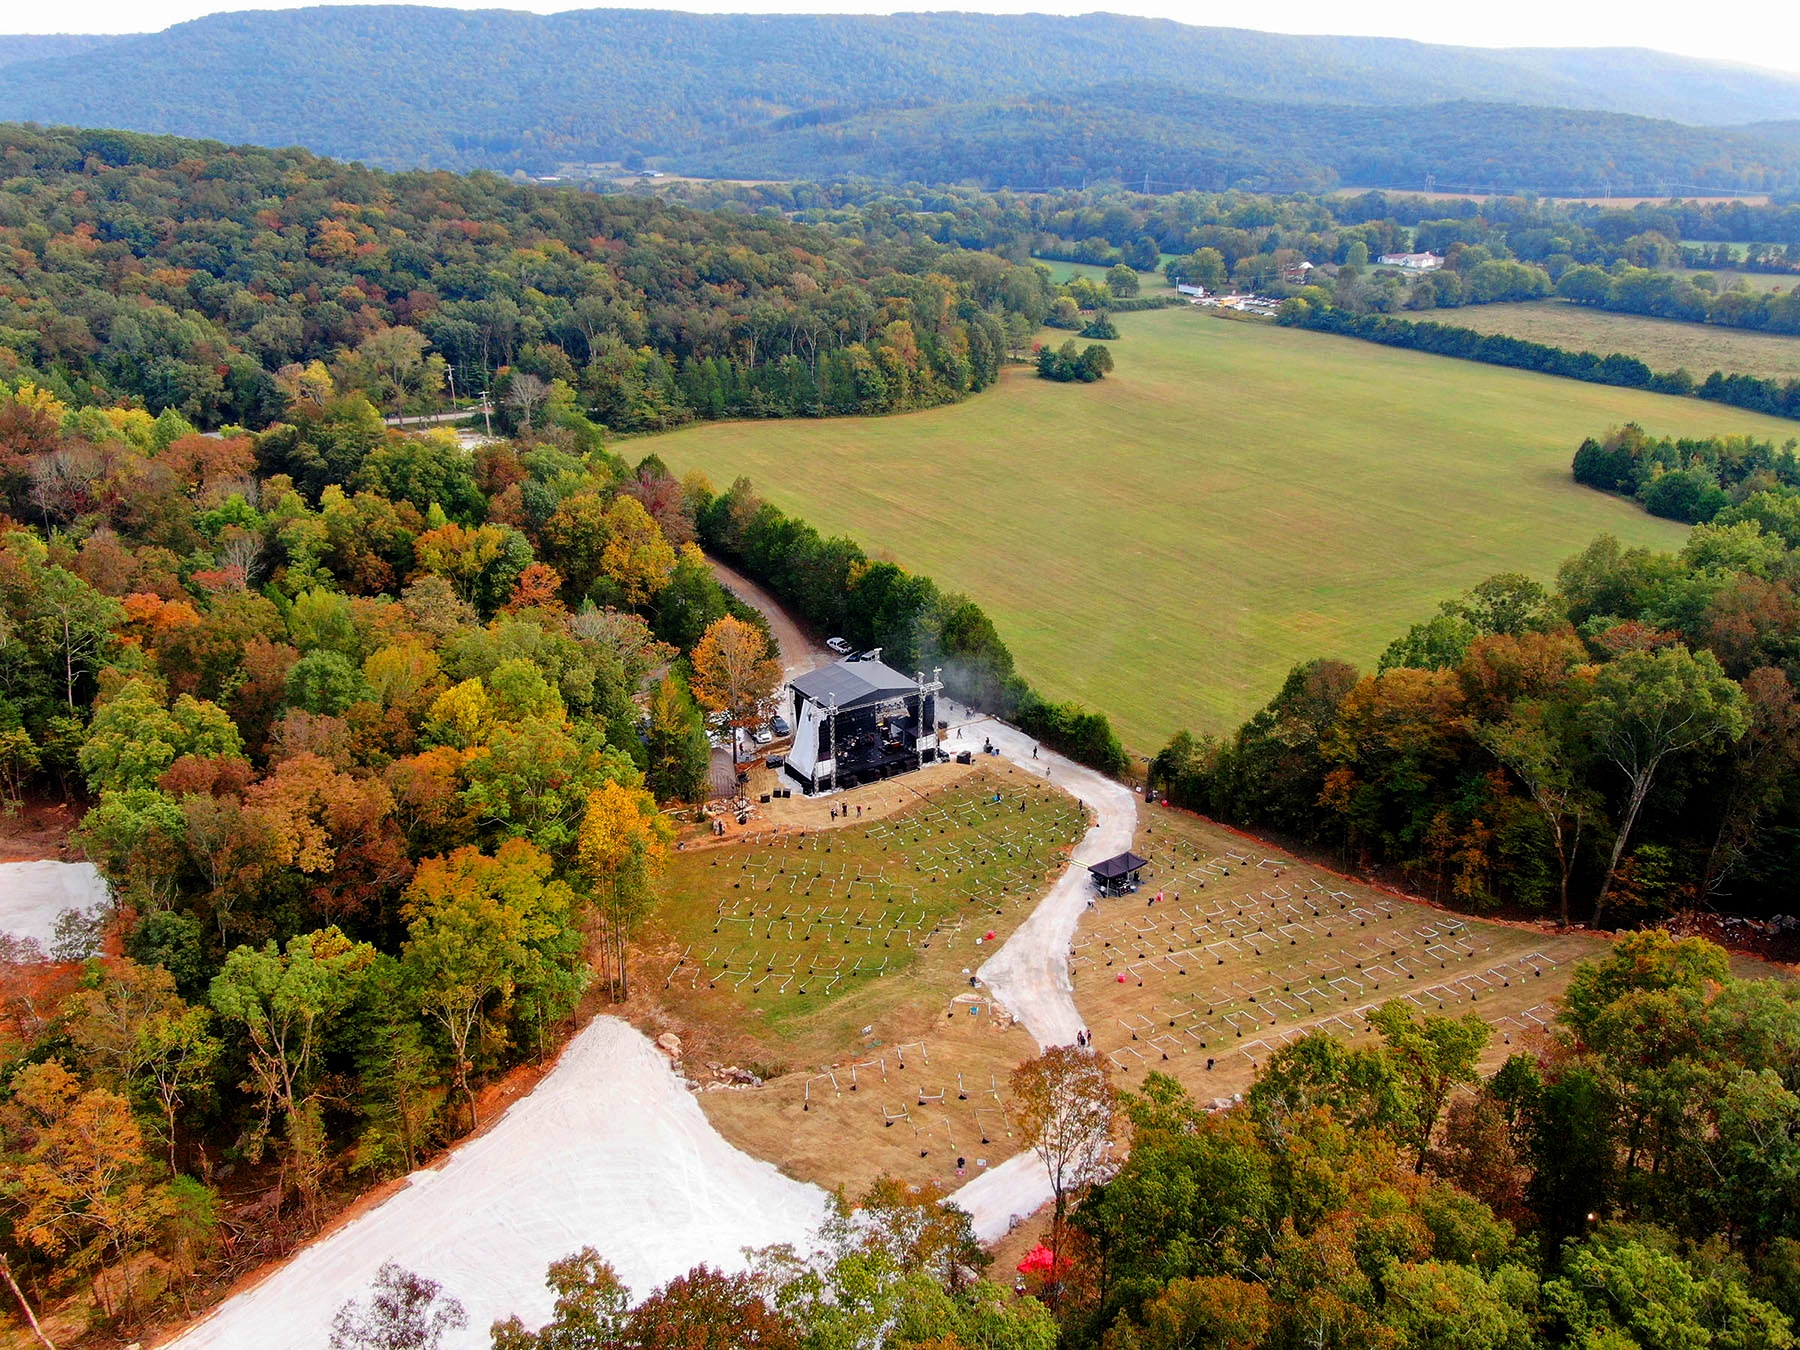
{"type": "Point", "coordinates": [47, 46]}
{"type": "Point", "coordinates": [229, 283]}
{"type": "Point", "coordinates": [1175, 138]}
{"type": "Point", "coordinates": [412, 87]}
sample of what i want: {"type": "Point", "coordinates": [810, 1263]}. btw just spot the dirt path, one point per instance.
{"type": "Point", "coordinates": [799, 653]}
{"type": "Point", "coordinates": [1030, 973]}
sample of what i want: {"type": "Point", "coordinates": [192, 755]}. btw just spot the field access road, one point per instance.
{"type": "Point", "coordinates": [798, 652]}
{"type": "Point", "coordinates": [1029, 975]}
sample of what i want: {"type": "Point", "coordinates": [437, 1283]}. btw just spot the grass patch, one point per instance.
{"type": "Point", "coordinates": [1149, 283]}
{"type": "Point", "coordinates": [824, 926]}
{"type": "Point", "coordinates": [1249, 949]}
{"type": "Point", "coordinates": [888, 1061]}
{"type": "Point", "coordinates": [1662, 344]}
{"type": "Point", "coordinates": [1164, 545]}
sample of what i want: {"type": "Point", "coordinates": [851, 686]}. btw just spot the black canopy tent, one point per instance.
{"type": "Point", "coordinates": [1117, 875]}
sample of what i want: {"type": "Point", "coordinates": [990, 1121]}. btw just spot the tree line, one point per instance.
{"type": "Point", "coordinates": [1775, 398]}
{"type": "Point", "coordinates": [224, 282]}
{"type": "Point", "coordinates": [371, 739]}
{"type": "Point", "coordinates": [1693, 479]}
{"type": "Point", "coordinates": [1667, 295]}
{"type": "Point", "coordinates": [1615, 750]}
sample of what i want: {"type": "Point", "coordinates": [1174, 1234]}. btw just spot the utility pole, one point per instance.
{"type": "Point", "coordinates": [487, 414]}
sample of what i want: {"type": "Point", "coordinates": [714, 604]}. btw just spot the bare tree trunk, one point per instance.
{"type": "Point", "coordinates": [18, 1293]}
{"type": "Point", "coordinates": [1640, 789]}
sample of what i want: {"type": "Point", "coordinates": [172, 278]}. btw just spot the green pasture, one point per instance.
{"type": "Point", "coordinates": [805, 931]}
{"type": "Point", "coordinates": [1662, 344]}
{"type": "Point", "coordinates": [1753, 281]}
{"type": "Point", "coordinates": [1148, 282]}
{"type": "Point", "coordinates": [1166, 544]}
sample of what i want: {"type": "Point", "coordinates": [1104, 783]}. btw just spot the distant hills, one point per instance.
{"type": "Point", "coordinates": [939, 97]}
{"type": "Point", "coordinates": [36, 47]}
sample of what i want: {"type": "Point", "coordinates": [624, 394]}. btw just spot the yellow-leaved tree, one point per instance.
{"type": "Point", "coordinates": [637, 558]}
{"type": "Point", "coordinates": [623, 846]}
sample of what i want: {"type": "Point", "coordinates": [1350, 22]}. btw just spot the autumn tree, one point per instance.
{"type": "Point", "coordinates": [680, 756]}
{"type": "Point", "coordinates": [1430, 1056]}
{"type": "Point", "coordinates": [636, 559]}
{"type": "Point", "coordinates": [707, 1310]}
{"type": "Point", "coordinates": [405, 1311]}
{"type": "Point", "coordinates": [1063, 1101]}
{"type": "Point", "coordinates": [483, 563]}
{"type": "Point", "coordinates": [734, 672]}
{"type": "Point", "coordinates": [590, 1313]}
{"type": "Point", "coordinates": [84, 1193]}
{"type": "Point", "coordinates": [1541, 743]}
{"type": "Point", "coordinates": [134, 1026]}
{"type": "Point", "coordinates": [1647, 706]}
{"type": "Point", "coordinates": [623, 846]}
{"type": "Point", "coordinates": [133, 737]}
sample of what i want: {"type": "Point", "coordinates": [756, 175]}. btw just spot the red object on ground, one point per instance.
{"type": "Point", "coordinates": [1121, 979]}
{"type": "Point", "coordinates": [990, 935]}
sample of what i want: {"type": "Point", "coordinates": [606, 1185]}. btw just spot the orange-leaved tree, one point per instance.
{"type": "Point", "coordinates": [733, 670]}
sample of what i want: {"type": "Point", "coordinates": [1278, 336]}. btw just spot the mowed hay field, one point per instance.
{"type": "Point", "coordinates": [1662, 344]}
{"type": "Point", "coordinates": [835, 963]}
{"type": "Point", "coordinates": [1166, 544]}
{"type": "Point", "coordinates": [1248, 949]}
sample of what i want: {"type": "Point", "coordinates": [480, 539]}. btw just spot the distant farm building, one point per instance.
{"type": "Point", "coordinates": [857, 720]}
{"type": "Point", "coordinates": [1412, 262]}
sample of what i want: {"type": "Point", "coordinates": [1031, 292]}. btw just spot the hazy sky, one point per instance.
{"type": "Point", "coordinates": [1762, 32]}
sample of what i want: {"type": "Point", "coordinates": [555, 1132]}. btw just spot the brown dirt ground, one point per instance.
{"type": "Point", "coordinates": [1277, 947]}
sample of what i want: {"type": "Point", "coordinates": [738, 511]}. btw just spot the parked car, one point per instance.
{"type": "Point", "coordinates": [838, 645]}
{"type": "Point", "coordinates": [779, 725]}
{"type": "Point", "coordinates": [763, 736]}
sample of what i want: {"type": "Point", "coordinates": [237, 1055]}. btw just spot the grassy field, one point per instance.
{"type": "Point", "coordinates": [1237, 497]}
{"type": "Point", "coordinates": [1149, 283]}
{"type": "Point", "coordinates": [1755, 281]}
{"type": "Point", "coordinates": [1663, 344]}
{"type": "Point", "coordinates": [836, 960]}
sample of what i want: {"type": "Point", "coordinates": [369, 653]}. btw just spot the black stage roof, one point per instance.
{"type": "Point", "coordinates": [855, 684]}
